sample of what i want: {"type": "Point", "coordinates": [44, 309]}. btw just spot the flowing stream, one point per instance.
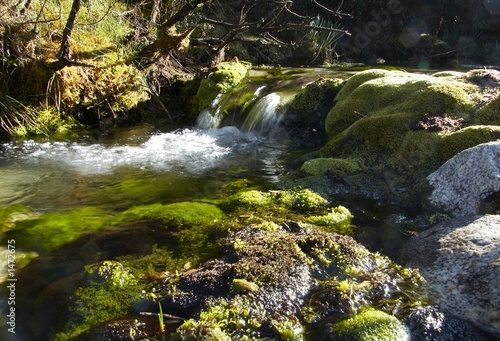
{"type": "Point", "coordinates": [141, 165]}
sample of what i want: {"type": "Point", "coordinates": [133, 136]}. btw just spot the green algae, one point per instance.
{"type": "Point", "coordinates": [10, 215]}
{"type": "Point", "coordinates": [370, 324]}
{"type": "Point", "coordinates": [182, 213]}
{"type": "Point", "coordinates": [53, 230]}
{"type": "Point", "coordinates": [196, 227]}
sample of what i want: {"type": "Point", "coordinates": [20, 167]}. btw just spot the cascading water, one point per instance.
{"type": "Point", "coordinates": [264, 116]}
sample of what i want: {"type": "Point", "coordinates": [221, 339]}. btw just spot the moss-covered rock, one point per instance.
{"type": "Point", "coordinates": [489, 114]}
{"type": "Point", "coordinates": [397, 93]}
{"type": "Point", "coordinates": [334, 166]}
{"type": "Point", "coordinates": [370, 325]}
{"type": "Point", "coordinates": [267, 279]}
{"type": "Point", "coordinates": [293, 199]}
{"type": "Point", "coordinates": [307, 111]}
{"type": "Point", "coordinates": [104, 93]}
{"type": "Point", "coordinates": [110, 291]}
{"type": "Point", "coordinates": [406, 122]}
{"type": "Point", "coordinates": [226, 75]}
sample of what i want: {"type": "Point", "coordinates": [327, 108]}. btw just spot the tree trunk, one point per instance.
{"type": "Point", "coordinates": [65, 51]}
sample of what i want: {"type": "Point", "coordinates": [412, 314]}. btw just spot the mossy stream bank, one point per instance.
{"type": "Point", "coordinates": [233, 258]}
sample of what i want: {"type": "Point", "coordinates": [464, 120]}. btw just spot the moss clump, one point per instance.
{"type": "Point", "coordinates": [419, 153]}
{"type": "Point", "coordinates": [224, 320]}
{"type": "Point", "coordinates": [332, 166]}
{"type": "Point", "coordinates": [338, 219]}
{"type": "Point", "coordinates": [182, 213]}
{"type": "Point", "coordinates": [294, 199]}
{"type": "Point", "coordinates": [358, 79]}
{"type": "Point", "coordinates": [489, 114]}
{"type": "Point", "coordinates": [313, 102]}
{"type": "Point", "coordinates": [227, 75]}
{"type": "Point", "coordinates": [369, 325]}
{"type": "Point", "coordinates": [407, 122]}
{"type": "Point", "coordinates": [101, 93]}
{"type": "Point", "coordinates": [110, 291]}
{"type": "Point", "coordinates": [458, 141]}
{"type": "Point", "coordinates": [399, 93]}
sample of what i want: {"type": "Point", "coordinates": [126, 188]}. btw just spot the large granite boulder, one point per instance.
{"type": "Point", "coordinates": [460, 259]}
{"type": "Point", "coordinates": [466, 179]}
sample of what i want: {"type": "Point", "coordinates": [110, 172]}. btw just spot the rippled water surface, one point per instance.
{"type": "Point", "coordinates": [43, 172]}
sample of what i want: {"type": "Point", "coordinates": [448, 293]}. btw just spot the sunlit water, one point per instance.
{"type": "Point", "coordinates": [39, 171]}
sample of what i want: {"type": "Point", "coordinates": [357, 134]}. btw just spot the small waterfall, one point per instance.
{"type": "Point", "coordinates": [207, 120]}
{"type": "Point", "coordinates": [263, 116]}
{"type": "Point", "coordinates": [257, 114]}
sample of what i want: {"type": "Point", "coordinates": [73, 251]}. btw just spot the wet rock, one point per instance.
{"type": "Point", "coordinates": [460, 259]}
{"type": "Point", "coordinates": [129, 329]}
{"type": "Point", "coordinates": [428, 323]}
{"type": "Point", "coordinates": [470, 176]}
{"type": "Point", "coordinates": [289, 281]}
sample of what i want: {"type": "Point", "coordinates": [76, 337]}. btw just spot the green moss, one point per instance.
{"type": "Point", "coordinates": [182, 213]}
{"type": "Point", "coordinates": [108, 90]}
{"type": "Point", "coordinates": [315, 98]}
{"type": "Point", "coordinates": [238, 319]}
{"type": "Point", "coordinates": [294, 199]}
{"type": "Point", "coordinates": [332, 166]}
{"type": "Point", "coordinates": [339, 219]}
{"type": "Point", "coordinates": [375, 121]}
{"type": "Point", "coordinates": [109, 293]}
{"type": "Point", "coordinates": [226, 76]}
{"type": "Point", "coordinates": [267, 225]}
{"type": "Point", "coordinates": [418, 153]}
{"type": "Point", "coordinates": [53, 230]}
{"type": "Point", "coordinates": [489, 114]}
{"type": "Point", "coordinates": [301, 199]}
{"type": "Point", "coordinates": [458, 141]}
{"type": "Point", "coordinates": [240, 285]}
{"type": "Point", "coordinates": [368, 325]}
{"type": "Point", "coordinates": [400, 93]}
{"type": "Point", "coordinates": [359, 78]}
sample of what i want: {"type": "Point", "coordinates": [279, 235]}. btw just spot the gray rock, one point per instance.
{"type": "Point", "coordinates": [466, 179]}
{"type": "Point", "coordinates": [460, 259]}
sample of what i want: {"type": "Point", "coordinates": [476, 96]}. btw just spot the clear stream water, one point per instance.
{"type": "Point", "coordinates": [142, 165]}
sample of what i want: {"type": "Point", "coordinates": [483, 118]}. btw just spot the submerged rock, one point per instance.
{"type": "Point", "coordinates": [466, 179]}
{"type": "Point", "coordinates": [460, 260]}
